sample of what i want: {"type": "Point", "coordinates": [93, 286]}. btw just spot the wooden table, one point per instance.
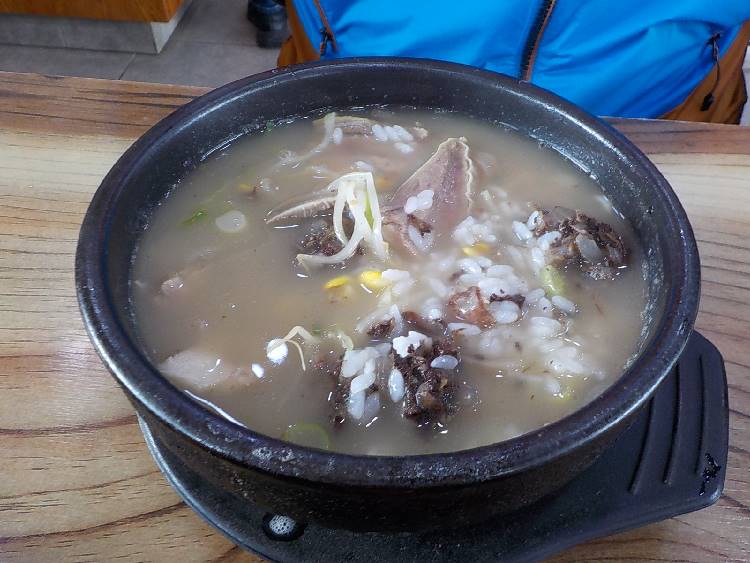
{"type": "Point", "coordinates": [76, 480]}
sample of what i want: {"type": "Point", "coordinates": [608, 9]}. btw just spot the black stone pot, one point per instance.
{"type": "Point", "coordinates": [381, 493]}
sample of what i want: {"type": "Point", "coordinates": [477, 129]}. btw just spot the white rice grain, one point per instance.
{"type": "Point", "coordinates": [470, 279]}
{"type": "Point", "coordinates": [356, 404]}
{"type": "Point", "coordinates": [547, 346]}
{"type": "Point", "coordinates": [365, 379]}
{"type": "Point", "coordinates": [564, 304]}
{"type": "Point", "coordinates": [547, 239]}
{"type": "Point", "coordinates": [419, 202]}
{"type": "Point", "coordinates": [544, 306]}
{"type": "Point", "coordinates": [401, 344]}
{"type": "Point", "coordinates": [533, 220]}
{"type": "Point", "coordinates": [424, 198]}
{"type": "Point", "coordinates": [372, 406]}
{"type": "Point", "coordinates": [537, 258]}
{"type": "Point", "coordinates": [391, 132]}
{"type": "Point", "coordinates": [422, 242]}
{"type": "Point", "coordinates": [521, 231]}
{"type": "Point", "coordinates": [444, 362]}
{"type": "Point", "coordinates": [505, 312]}
{"type": "Point", "coordinates": [337, 136]}
{"type": "Point", "coordinates": [434, 314]}
{"type": "Point", "coordinates": [483, 261]}
{"type": "Point", "coordinates": [404, 148]}
{"type": "Point", "coordinates": [515, 255]}
{"type": "Point", "coordinates": [398, 321]}
{"type": "Point", "coordinates": [470, 266]}
{"type": "Point", "coordinates": [396, 385]}
{"type": "Point", "coordinates": [492, 286]}
{"type": "Point", "coordinates": [544, 327]}
{"type": "Point", "coordinates": [499, 271]}
{"type": "Point", "coordinates": [534, 295]}
{"type": "Point", "coordinates": [410, 206]}
{"type": "Point", "coordinates": [355, 361]}
{"type": "Point", "coordinates": [392, 275]}
{"type": "Point", "coordinates": [403, 134]}
{"type": "Point", "coordinates": [379, 133]}
{"type": "Point", "coordinates": [438, 287]}
{"type": "Point", "coordinates": [400, 288]}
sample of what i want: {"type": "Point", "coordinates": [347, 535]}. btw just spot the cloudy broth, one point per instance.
{"type": "Point", "coordinates": [215, 285]}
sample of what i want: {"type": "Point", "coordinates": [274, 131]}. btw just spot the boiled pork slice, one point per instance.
{"type": "Point", "coordinates": [449, 175]}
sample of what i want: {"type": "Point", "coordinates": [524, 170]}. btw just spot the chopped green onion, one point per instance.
{"type": "Point", "coordinates": [552, 280]}
{"type": "Point", "coordinates": [368, 213]}
{"type": "Point", "coordinates": [197, 216]}
{"type": "Point", "coordinates": [307, 434]}
{"type": "Point", "coordinates": [269, 125]}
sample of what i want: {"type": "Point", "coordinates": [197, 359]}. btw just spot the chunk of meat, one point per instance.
{"type": "Point", "coordinates": [469, 307]}
{"type": "Point", "coordinates": [430, 394]}
{"type": "Point", "coordinates": [594, 245]}
{"type": "Point", "coordinates": [321, 239]}
{"type": "Point", "coordinates": [339, 395]}
{"type": "Point", "coordinates": [186, 281]}
{"type": "Point", "coordinates": [449, 173]}
{"type": "Point", "coordinates": [426, 326]}
{"type": "Point", "coordinates": [197, 370]}
{"type": "Point", "coordinates": [353, 124]}
{"type": "Point", "coordinates": [381, 329]}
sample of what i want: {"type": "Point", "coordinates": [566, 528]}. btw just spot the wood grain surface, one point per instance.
{"type": "Point", "coordinates": [76, 480]}
{"type": "Point", "coordinates": [124, 10]}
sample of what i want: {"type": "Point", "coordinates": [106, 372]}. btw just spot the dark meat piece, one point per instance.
{"type": "Point", "coordinates": [468, 306]}
{"type": "Point", "coordinates": [337, 400]}
{"type": "Point", "coordinates": [593, 244]}
{"type": "Point", "coordinates": [381, 329]}
{"type": "Point", "coordinates": [422, 226]}
{"type": "Point", "coordinates": [419, 323]}
{"type": "Point", "coordinates": [322, 238]}
{"type": "Point", "coordinates": [449, 173]}
{"type": "Point", "coordinates": [550, 219]}
{"type": "Point", "coordinates": [431, 394]}
{"type": "Point", "coordinates": [518, 299]}
{"type": "Point", "coordinates": [444, 347]}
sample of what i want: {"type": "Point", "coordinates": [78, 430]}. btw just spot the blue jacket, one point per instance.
{"type": "Point", "coordinates": [637, 58]}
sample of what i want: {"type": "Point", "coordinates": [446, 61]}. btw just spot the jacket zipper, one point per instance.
{"type": "Point", "coordinates": [326, 33]}
{"type": "Point", "coordinates": [713, 43]}
{"type": "Point", "coordinates": [534, 39]}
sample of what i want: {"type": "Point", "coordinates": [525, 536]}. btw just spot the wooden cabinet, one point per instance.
{"type": "Point", "coordinates": [121, 10]}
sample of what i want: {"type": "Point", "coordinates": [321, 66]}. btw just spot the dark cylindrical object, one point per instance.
{"type": "Point", "coordinates": [381, 493]}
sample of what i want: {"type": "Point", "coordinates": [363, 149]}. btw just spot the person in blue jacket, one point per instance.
{"type": "Point", "coordinates": [652, 58]}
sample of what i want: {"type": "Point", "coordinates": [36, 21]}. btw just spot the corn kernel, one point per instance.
{"type": "Point", "coordinates": [373, 280]}
{"type": "Point", "coordinates": [477, 249]}
{"type": "Point", "coordinates": [337, 282]}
